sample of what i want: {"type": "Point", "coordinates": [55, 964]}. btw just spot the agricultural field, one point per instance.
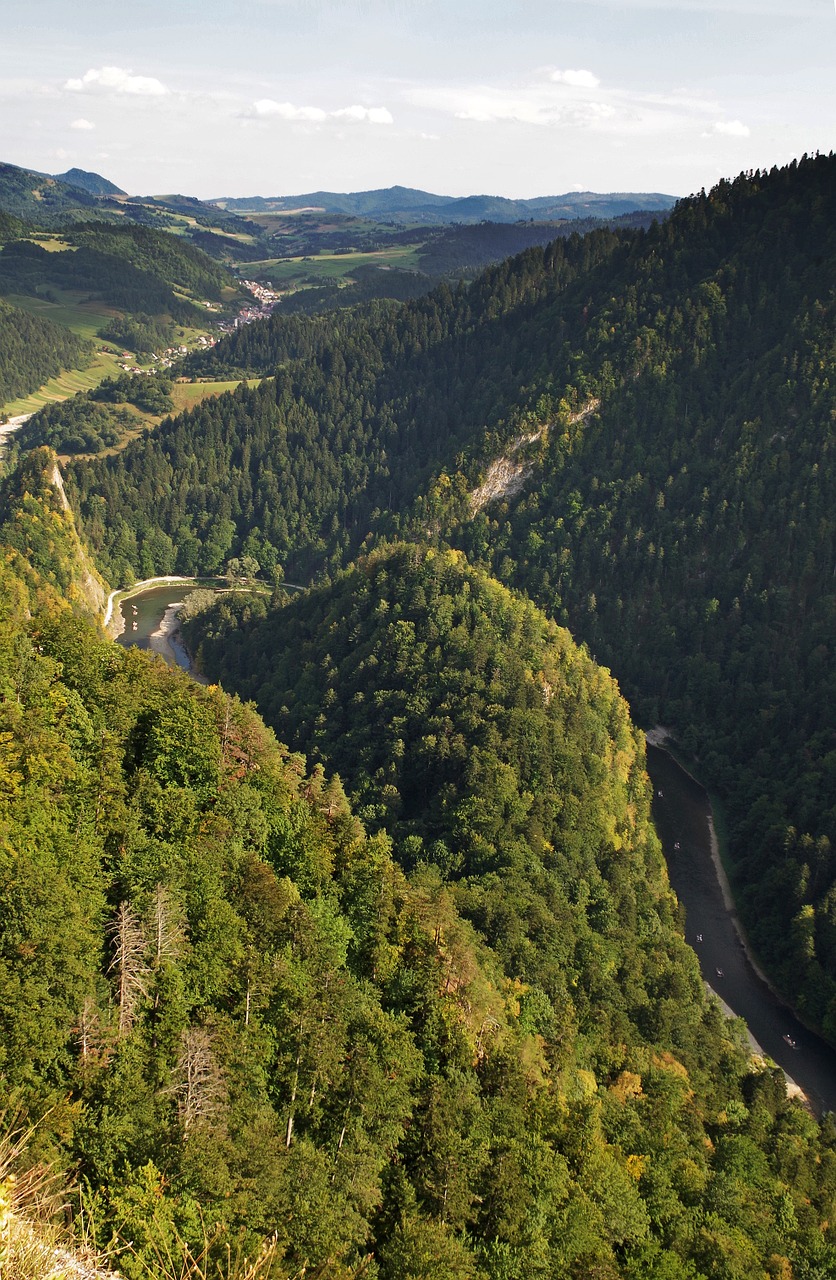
{"type": "Point", "coordinates": [290, 273]}
{"type": "Point", "coordinates": [70, 309]}
{"type": "Point", "coordinates": [187, 394]}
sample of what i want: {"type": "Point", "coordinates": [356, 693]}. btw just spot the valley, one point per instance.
{"type": "Point", "coordinates": [382, 947]}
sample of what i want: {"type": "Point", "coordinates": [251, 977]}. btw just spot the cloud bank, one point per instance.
{"type": "Point", "coordinates": [265, 108]}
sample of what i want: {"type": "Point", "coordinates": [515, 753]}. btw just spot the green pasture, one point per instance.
{"type": "Point", "coordinates": [65, 385]}
{"type": "Point", "coordinates": [290, 272]}
{"type": "Point", "coordinates": [187, 394]}
{"type": "Point", "coordinates": [50, 244]}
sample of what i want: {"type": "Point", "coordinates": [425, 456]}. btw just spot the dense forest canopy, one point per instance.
{"type": "Point", "coordinates": [232, 1012]}
{"type": "Point", "coordinates": [669, 394]}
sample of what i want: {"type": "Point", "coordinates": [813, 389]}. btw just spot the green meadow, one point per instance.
{"type": "Point", "coordinates": [290, 272]}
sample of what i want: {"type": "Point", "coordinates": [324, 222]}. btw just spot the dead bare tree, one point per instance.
{"type": "Point", "coordinates": [128, 964]}
{"type": "Point", "coordinates": [198, 1081]}
{"type": "Point", "coordinates": [94, 1039]}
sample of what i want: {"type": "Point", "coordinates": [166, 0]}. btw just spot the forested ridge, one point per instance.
{"type": "Point", "coordinates": [360, 414]}
{"type": "Point", "coordinates": [684, 529]}
{"type": "Point", "coordinates": [132, 268]}
{"type": "Point", "coordinates": [235, 1016]}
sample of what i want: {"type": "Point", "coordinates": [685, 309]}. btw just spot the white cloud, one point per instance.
{"type": "Point", "coordinates": [267, 107]}
{"type": "Point", "coordinates": [286, 110]}
{"type": "Point", "coordinates": [82, 124]}
{"type": "Point", "coordinates": [373, 115]}
{"type": "Point", "coordinates": [566, 100]}
{"type": "Point", "coordinates": [732, 128]}
{"type": "Point", "coordinates": [576, 79]}
{"type": "Point", "coordinates": [117, 80]}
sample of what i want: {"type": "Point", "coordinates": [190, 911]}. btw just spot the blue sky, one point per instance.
{"type": "Point", "coordinates": [508, 97]}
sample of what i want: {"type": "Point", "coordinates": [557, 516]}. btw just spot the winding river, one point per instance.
{"type": "Point", "coordinates": [681, 811]}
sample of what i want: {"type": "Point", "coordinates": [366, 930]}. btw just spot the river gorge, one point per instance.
{"type": "Point", "coordinates": [682, 815]}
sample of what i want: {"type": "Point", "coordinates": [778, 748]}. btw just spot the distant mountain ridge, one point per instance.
{"type": "Point", "coordinates": [44, 200]}
{"type": "Point", "coordinates": [407, 204]}
{"type": "Point", "coordinates": [93, 183]}
{"type": "Point", "coordinates": [47, 200]}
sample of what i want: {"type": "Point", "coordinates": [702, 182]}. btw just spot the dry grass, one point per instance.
{"type": "Point", "coordinates": [34, 1241]}
{"type": "Point", "coordinates": [182, 1263]}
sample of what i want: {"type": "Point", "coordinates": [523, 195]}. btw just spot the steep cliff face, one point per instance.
{"type": "Point", "coordinates": [36, 521]}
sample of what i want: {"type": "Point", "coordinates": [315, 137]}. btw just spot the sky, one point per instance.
{"type": "Point", "coordinates": [504, 97]}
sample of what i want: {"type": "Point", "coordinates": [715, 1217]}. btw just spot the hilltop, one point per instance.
{"type": "Point", "coordinates": [93, 183]}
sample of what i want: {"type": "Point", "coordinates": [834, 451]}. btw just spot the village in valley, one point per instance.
{"type": "Point", "coordinates": [265, 300]}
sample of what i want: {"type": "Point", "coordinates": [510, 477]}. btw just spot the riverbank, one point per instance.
{"type": "Point", "coordinates": [168, 643]}
{"type": "Point", "coordinates": [12, 425]}
{"type": "Point", "coordinates": [115, 626]}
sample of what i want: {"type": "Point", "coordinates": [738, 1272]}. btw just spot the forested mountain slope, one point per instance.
{"type": "Point", "coordinates": [684, 529]}
{"type": "Point", "coordinates": [32, 350]}
{"type": "Point", "coordinates": [687, 533]}
{"type": "Point", "coordinates": [45, 201]}
{"type": "Point", "coordinates": [361, 413]}
{"type": "Point", "coordinates": [233, 1013]}
{"type": "Point", "coordinates": [133, 268]}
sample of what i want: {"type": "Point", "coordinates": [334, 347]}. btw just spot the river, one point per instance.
{"type": "Point", "coordinates": [681, 811]}
{"type": "Point", "coordinates": [150, 619]}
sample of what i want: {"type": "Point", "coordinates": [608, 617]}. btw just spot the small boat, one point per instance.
{"type": "Point", "coordinates": [134, 626]}
{"type": "Point", "coordinates": [720, 973]}
{"type": "Point", "coordinates": [787, 1039]}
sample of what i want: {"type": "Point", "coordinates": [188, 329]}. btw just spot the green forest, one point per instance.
{"type": "Point", "coordinates": [669, 395]}
{"type": "Point", "coordinates": [125, 267]}
{"type": "Point", "coordinates": [362, 960]}
{"type": "Point", "coordinates": [239, 1020]}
